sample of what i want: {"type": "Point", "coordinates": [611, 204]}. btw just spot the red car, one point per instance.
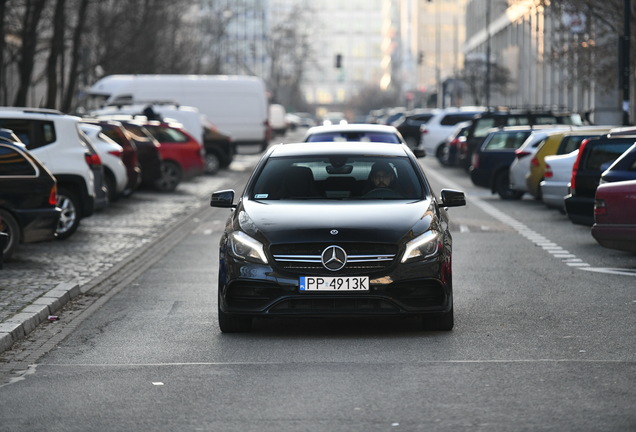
{"type": "Point", "coordinates": [615, 215]}
{"type": "Point", "coordinates": [183, 156]}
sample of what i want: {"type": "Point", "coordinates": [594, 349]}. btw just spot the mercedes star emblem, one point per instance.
{"type": "Point", "coordinates": [334, 258]}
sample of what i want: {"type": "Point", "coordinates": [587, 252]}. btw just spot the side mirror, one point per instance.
{"type": "Point", "coordinates": [223, 199]}
{"type": "Point", "coordinates": [452, 198]}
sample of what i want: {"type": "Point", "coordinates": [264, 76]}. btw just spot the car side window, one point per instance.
{"type": "Point", "coordinates": [13, 164]}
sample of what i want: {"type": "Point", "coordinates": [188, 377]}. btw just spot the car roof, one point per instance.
{"type": "Point", "coordinates": [352, 127]}
{"type": "Point", "coordinates": [330, 148]}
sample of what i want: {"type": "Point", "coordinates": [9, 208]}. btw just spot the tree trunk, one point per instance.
{"type": "Point", "coordinates": [75, 57]}
{"type": "Point", "coordinates": [32, 17]}
{"type": "Point", "coordinates": [55, 52]}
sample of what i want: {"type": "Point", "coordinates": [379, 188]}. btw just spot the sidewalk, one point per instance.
{"type": "Point", "coordinates": [42, 277]}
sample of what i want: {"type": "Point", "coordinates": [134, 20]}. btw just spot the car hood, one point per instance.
{"type": "Point", "coordinates": [384, 222]}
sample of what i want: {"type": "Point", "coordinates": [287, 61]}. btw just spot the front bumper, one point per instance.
{"type": "Point", "coordinates": [413, 289]}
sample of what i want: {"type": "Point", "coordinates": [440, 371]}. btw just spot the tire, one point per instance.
{"type": "Point", "coordinates": [70, 218]}
{"type": "Point", "coordinates": [440, 154]}
{"type": "Point", "coordinates": [439, 322]}
{"type": "Point", "coordinates": [212, 163]}
{"type": "Point", "coordinates": [111, 186]}
{"type": "Point", "coordinates": [233, 323]}
{"type": "Point", "coordinates": [10, 227]}
{"type": "Point", "coordinates": [502, 187]}
{"type": "Point", "coordinates": [171, 175]}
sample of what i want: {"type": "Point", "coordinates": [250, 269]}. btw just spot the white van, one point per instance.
{"type": "Point", "coordinates": [277, 119]}
{"type": "Point", "coordinates": [234, 103]}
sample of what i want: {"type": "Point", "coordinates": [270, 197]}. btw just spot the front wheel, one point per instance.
{"type": "Point", "coordinates": [10, 227]}
{"type": "Point", "coordinates": [502, 187]}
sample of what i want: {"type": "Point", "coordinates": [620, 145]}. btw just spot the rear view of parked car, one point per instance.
{"type": "Point", "coordinates": [595, 156]}
{"type": "Point", "coordinates": [491, 162]}
{"type": "Point", "coordinates": [615, 215]}
{"type": "Point", "coordinates": [28, 199]}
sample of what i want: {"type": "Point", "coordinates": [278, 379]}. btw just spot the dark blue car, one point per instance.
{"type": "Point", "coordinates": [623, 168]}
{"type": "Point", "coordinates": [491, 162]}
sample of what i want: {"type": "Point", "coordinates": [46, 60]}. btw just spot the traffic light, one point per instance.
{"type": "Point", "coordinates": [338, 61]}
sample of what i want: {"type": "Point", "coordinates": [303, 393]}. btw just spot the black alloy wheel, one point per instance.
{"type": "Point", "coordinates": [10, 227]}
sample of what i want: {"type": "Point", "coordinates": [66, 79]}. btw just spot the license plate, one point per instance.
{"type": "Point", "coordinates": [324, 283]}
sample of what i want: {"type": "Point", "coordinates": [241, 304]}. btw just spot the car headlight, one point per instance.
{"type": "Point", "coordinates": [422, 247]}
{"type": "Point", "coordinates": [245, 247]}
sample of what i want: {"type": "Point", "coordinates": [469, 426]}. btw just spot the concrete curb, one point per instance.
{"type": "Point", "coordinates": [20, 325]}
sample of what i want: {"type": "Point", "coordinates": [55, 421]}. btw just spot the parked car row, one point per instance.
{"type": "Point", "coordinates": [56, 169]}
{"type": "Point", "coordinates": [565, 166]}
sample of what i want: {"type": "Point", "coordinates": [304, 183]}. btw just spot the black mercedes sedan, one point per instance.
{"type": "Point", "coordinates": [336, 229]}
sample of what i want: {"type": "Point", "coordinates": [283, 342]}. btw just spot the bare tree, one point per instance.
{"type": "Point", "coordinates": [474, 76]}
{"type": "Point", "coordinates": [289, 52]}
{"type": "Point", "coordinates": [56, 52]}
{"type": "Point", "coordinates": [31, 20]}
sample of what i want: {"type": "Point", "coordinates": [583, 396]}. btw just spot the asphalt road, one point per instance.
{"type": "Point", "coordinates": [544, 340]}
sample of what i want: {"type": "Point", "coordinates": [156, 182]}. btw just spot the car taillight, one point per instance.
{"type": "Point", "coordinates": [548, 172]}
{"type": "Point", "coordinates": [475, 160]}
{"type": "Point", "coordinates": [575, 168]}
{"type": "Point", "coordinates": [116, 153]}
{"type": "Point", "coordinates": [453, 143]}
{"type": "Point", "coordinates": [519, 154]}
{"type": "Point", "coordinates": [53, 195]}
{"type": "Point", "coordinates": [93, 160]}
{"type": "Point", "coordinates": [423, 129]}
{"type": "Point", "coordinates": [534, 162]}
{"type": "Point", "coordinates": [599, 207]}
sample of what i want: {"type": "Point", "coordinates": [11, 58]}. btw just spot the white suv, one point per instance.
{"type": "Point", "coordinates": [443, 123]}
{"type": "Point", "coordinates": [54, 138]}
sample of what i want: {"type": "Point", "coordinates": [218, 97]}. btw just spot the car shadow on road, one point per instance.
{"type": "Point", "coordinates": [336, 327]}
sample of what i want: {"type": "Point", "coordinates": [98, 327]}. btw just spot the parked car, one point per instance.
{"type": "Point", "coordinates": [409, 126]}
{"type": "Point", "coordinates": [148, 150]}
{"type": "Point", "coordinates": [558, 143]}
{"type": "Point", "coordinates": [482, 123]}
{"type": "Point", "coordinates": [183, 157]}
{"type": "Point", "coordinates": [615, 215]}
{"type": "Point", "coordinates": [219, 145]}
{"type": "Point", "coordinates": [116, 132]}
{"type": "Point", "coordinates": [520, 166]}
{"type": "Point", "coordinates": [595, 156]}
{"type": "Point", "coordinates": [28, 198]}
{"type": "Point", "coordinates": [434, 132]}
{"type": "Point", "coordinates": [8, 135]}
{"type": "Point", "coordinates": [54, 138]}
{"type": "Point", "coordinates": [277, 119]}
{"type": "Point", "coordinates": [451, 145]}
{"type": "Point", "coordinates": [219, 149]}
{"type": "Point", "coordinates": [111, 155]}
{"type": "Point", "coordinates": [623, 168]}
{"type": "Point", "coordinates": [291, 259]}
{"type": "Point", "coordinates": [491, 162]}
{"type": "Point", "coordinates": [556, 179]}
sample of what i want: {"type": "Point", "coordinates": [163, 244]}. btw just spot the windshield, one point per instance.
{"type": "Point", "coordinates": [338, 177]}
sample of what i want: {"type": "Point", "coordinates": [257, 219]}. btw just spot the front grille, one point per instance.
{"type": "Point", "coordinates": [361, 258]}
